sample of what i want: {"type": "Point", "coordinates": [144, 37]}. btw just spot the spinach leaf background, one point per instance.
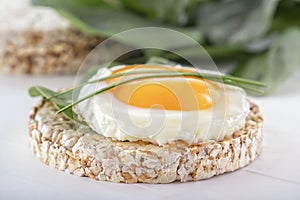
{"type": "Point", "coordinates": [260, 37]}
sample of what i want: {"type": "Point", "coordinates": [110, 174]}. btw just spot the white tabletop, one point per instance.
{"type": "Point", "coordinates": [274, 175]}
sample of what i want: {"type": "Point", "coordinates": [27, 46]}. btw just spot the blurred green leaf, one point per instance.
{"type": "Point", "coordinates": [233, 22]}
{"type": "Point", "coordinates": [276, 65]}
{"type": "Point", "coordinates": [229, 30]}
{"type": "Point", "coordinates": [105, 19]}
{"type": "Point", "coordinates": [287, 15]}
{"type": "Point", "coordinates": [175, 12]}
{"type": "Point", "coordinates": [159, 60]}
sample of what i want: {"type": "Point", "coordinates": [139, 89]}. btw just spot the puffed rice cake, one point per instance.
{"type": "Point", "coordinates": [36, 40]}
{"type": "Point", "coordinates": [56, 142]}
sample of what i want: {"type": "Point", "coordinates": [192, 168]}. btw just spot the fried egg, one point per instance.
{"type": "Point", "coordinates": [162, 109]}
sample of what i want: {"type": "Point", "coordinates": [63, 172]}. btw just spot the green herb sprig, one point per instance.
{"type": "Point", "coordinates": [63, 100]}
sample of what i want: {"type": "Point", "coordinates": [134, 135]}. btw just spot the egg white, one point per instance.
{"type": "Point", "coordinates": [112, 118]}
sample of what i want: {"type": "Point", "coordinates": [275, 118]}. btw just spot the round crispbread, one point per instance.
{"type": "Point", "coordinates": [58, 51]}
{"type": "Point", "coordinates": [37, 40]}
{"type": "Point", "coordinates": [56, 142]}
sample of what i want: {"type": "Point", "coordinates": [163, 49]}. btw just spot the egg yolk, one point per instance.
{"type": "Point", "coordinates": [170, 93]}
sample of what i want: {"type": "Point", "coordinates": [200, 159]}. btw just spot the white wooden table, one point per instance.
{"type": "Point", "coordinates": [274, 175]}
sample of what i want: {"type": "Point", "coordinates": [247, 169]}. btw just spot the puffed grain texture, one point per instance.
{"type": "Point", "coordinates": [57, 142]}
{"type": "Point", "coordinates": [57, 51]}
